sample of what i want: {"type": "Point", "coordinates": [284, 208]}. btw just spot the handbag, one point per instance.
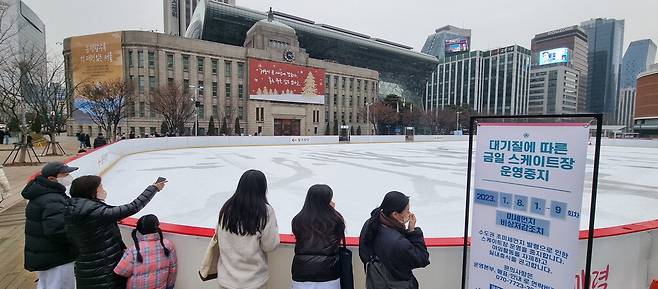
{"type": "Point", "coordinates": [208, 269]}
{"type": "Point", "coordinates": [345, 263]}
{"type": "Point", "coordinates": [378, 277]}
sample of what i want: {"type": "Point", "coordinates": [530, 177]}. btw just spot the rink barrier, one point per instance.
{"type": "Point", "coordinates": [625, 257]}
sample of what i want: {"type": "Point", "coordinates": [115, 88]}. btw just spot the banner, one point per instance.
{"type": "Point", "coordinates": [526, 207]}
{"type": "Point", "coordinates": [97, 57]}
{"type": "Point", "coordinates": [277, 81]}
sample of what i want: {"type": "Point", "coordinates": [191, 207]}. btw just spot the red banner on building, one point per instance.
{"type": "Point", "coordinates": [277, 81]}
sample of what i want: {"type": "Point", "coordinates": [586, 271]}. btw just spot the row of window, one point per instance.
{"type": "Point", "coordinates": [349, 83]}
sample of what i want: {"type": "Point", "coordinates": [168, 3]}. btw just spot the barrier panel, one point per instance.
{"type": "Point", "coordinates": [625, 257]}
{"type": "Point", "coordinates": [376, 138]}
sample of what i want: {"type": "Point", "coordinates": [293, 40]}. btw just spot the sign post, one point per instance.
{"type": "Point", "coordinates": [527, 200]}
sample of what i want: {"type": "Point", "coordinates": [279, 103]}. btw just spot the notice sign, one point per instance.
{"type": "Point", "coordinates": [526, 207]}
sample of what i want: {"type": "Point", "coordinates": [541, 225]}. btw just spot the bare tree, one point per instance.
{"type": "Point", "coordinates": [175, 105]}
{"type": "Point", "coordinates": [380, 115]}
{"type": "Point", "coordinates": [106, 103]}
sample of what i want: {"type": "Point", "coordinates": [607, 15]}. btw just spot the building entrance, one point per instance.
{"type": "Point", "coordinates": [287, 126]}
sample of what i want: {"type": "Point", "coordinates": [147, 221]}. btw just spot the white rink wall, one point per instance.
{"type": "Point", "coordinates": [624, 257]}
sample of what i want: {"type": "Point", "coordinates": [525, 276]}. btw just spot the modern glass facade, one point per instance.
{"type": "Point", "coordinates": [490, 82]}
{"type": "Point", "coordinates": [435, 43]}
{"type": "Point", "coordinates": [26, 31]}
{"type": "Point", "coordinates": [605, 39]}
{"type": "Point", "coordinates": [639, 55]}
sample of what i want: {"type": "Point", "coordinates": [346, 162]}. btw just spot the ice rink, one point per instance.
{"type": "Point", "coordinates": [432, 173]}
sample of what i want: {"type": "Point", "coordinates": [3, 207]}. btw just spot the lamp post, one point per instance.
{"type": "Point", "coordinates": [196, 108]}
{"type": "Point", "coordinates": [458, 113]}
{"type": "Point", "coordinates": [368, 104]}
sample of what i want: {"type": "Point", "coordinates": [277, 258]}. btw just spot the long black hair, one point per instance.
{"type": "Point", "coordinates": [245, 213]}
{"type": "Point", "coordinates": [148, 224]}
{"type": "Point", "coordinates": [394, 201]}
{"type": "Point", "coordinates": [318, 218]}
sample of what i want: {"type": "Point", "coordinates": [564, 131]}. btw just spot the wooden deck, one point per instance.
{"type": "Point", "coordinates": [12, 238]}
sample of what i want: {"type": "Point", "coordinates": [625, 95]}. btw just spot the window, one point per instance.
{"type": "Point", "coordinates": [170, 61]}
{"type": "Point", "coordinates": [170, 81]}
{"type": "Point", "coordinates": [142, 109]}
{"type": "Point", "coordinates": [186, 63]}
{"type": "Point", "coordinates": [142, 130]}
{"type": "Point", "coordinates": [199, 64]}
{"type": "Point", "coordinates": [141, 84]}
{"type": "Point", "coordinates": [260, 114]}
{"type": "Point", "coordinates": [240, 70]}
{"type": "Point", "coordinates": [227, 111]}
{"type": "Point", "coordinates": [152, 130]}
{"type": "Point", "coordinates": [140, 59]}
{"type": "Point", "coordinates": [228, 90]}
{"type": "Point", "coordinates": [201, 111]}
{"type": "Point", "coordinates": [215, 114]}
{"type": "Point", "coordinates": [215, 66]}
{"type": "Point", "coordinates": [151, 59]}
{"type": "Point", "coordinates": [152, 82]}
{"type": "Point", "coordinates": [130, 58]}
{"type": "Point", "coordinates": [132, 108]}
{"type": "Point", "coordinates": [240, 90]}
{"type": "Point", "coordinates": [214, 88]}
{"type": "Point", "coordinates": [186, 86]}
{"type": "Point", "coordinates": [151, 110]}
{"type": "Point", "coordinates": [240, 112]}
{"type": "Point", "coordinates": [227, 71]}
{"type": "Point", "coordinates": [201, 87]}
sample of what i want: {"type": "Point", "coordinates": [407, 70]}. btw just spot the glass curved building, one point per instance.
{"type": "Point", "coordinates": [396, 63]}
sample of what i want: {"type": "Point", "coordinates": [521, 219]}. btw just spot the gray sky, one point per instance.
{"type": "Point", "coordinates": [493, 23]}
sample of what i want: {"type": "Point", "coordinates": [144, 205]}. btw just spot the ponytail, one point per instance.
{"type": "Point", "coordinates": [166, 250]}
{"type": "Point", "coordinates": [139, 255]}
{"type": "Point", "coordinates": [373, 226]}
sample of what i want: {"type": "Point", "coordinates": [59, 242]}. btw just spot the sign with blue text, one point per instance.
{"type": "Point", "coordinates": [528, 196]}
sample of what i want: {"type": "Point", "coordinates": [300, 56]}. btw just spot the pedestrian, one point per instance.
{"type": "Point", "coordinates": [388, 245]}
{"type": "Point", "coordinates": [48, 251]}
{"type": "Point", "coordinates": [100, 140]}
{"type": "Point", "coordinates": [4, 184]}
{"type": "Point", "coordinates": [92, 226]}
{"type": "Point", "coordinates": [7, 136]}
{"type": "Point", "coordinates": [131, 135]}
{"type": "Point", "coordinates": [87, 141]}
{"type": "Point", "coordinates": [319, 230]}
{"type": "Point", "coordinates": [81, 138]}
{"type": "Point", "coordinates": [151, 262]}
{"type": "Point", "coordinates": [2, 136]}
{"type": "Point", "coordinates": [246, 232]}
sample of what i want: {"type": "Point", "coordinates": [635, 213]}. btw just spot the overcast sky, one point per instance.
{"type": "Point", "coordinates": [493, 23]}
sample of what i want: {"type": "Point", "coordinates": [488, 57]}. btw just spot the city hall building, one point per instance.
{"type": "Point", "coordinates": [270, 83]}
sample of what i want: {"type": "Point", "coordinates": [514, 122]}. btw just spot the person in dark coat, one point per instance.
{"type": "Point", "coordinates": [385, 238]}
{"type": "Point", "coordinates": [92, 226]}
{"type": "Point", "coordinates": [87, 141]}
{"type": "Point", "coordinates": [100, 140]}
{"type": "Point", "coordinates": [319, 230]}
{"type": "Point", "coordinates": [48, 251]}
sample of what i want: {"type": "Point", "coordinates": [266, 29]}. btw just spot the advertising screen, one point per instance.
{"type": "Point", "coordinates": [457, 45]}
{"type": "Point", "coordinates": [556, 55]}
{"type": "Point", "coordinates": [277, 81]}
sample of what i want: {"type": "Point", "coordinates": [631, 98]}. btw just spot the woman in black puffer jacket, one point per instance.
{"type": "Point", "coordinates": [92, 226]}
{"type": "Point", "coordinates": [319, 230]}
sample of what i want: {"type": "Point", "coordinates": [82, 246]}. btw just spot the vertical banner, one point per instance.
{"type": "Point", "coordinates": [527, 200]}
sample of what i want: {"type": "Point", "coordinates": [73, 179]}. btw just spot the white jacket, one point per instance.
{"type": "Point", "coordinates": [4, 183]}
{"type": "Point", "coordinates": [243, 259]}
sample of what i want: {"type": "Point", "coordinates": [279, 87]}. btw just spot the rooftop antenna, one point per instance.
{"type": "Point", "coordinates": [270, 15]}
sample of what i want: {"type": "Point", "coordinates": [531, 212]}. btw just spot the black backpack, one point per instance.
{"type": "Point", "coordinates": [378, 277]}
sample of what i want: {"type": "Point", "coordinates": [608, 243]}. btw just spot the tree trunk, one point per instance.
{"type": "Point", "coordinates": [23, 148]}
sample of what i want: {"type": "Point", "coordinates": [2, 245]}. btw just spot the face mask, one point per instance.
{"type": "Point", "coordinates": [65, 181]}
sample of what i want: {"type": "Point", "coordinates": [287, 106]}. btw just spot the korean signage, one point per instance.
{"type": "Point", "coordinates": [526, 208]}
{"type": "Point", "coordinates": [97, 57]}
{"type": "Point", "coordinates": [276, 81]}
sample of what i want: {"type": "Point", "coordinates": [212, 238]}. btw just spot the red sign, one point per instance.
{"type": "Point", "coordinates": [277, 81]}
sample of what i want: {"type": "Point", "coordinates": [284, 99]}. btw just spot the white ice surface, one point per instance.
{"type": "Point", "coordinates": [433, 174]}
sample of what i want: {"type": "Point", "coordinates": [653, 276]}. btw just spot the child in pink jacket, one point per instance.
{"type": "Point", "coordinates": [151, 262]}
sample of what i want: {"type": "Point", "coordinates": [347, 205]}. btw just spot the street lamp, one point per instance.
{"type": "Point", "coordinates": [368, 104]}
{"type": "Point", "coordinates": [458, 113]}
{"type": "Point", "coordinates": [196, 108]}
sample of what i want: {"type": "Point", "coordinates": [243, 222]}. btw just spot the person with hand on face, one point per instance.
{"type": "Point", "coordinates": [48, 251]}
{"type": "Point", "coordinates": [384, 238]}
{"type": "Point", "coordinates": [92, 226]}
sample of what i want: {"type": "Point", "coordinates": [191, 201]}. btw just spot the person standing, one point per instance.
{"type": "Point", "coordinates": [4, 184]}
{"type": "Point", "coordinates": [100, 140]}
{"type": "Point", "coordinates": [385, 240]}
{"type": "Point", "coordinates": [7, 136]}
{"type": "Point", "coordinates": [92, 226]}
{"type": "Point", "coordinates": [151, 263]}
{"type": "Point", "coordinates": [87, 141]}
{"type": "Point", "coordinates": [48, 251]}
{"type": "Point", "coordinates": [319, 230]}
{"type": "Point", "coordinates": [246, 232]}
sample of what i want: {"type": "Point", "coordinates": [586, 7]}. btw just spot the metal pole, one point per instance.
{"type": "Point", "coordinates": [468, 200]}
{"type": "Point", "coordinates": [196, 111]}
{"type": "Point", "coordinates": [592, 208]}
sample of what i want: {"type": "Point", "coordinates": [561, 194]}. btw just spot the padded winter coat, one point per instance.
{"type": "Point", "coordinates": [316, 259]}
{"type": "Point", "coordinates": [92, 225]}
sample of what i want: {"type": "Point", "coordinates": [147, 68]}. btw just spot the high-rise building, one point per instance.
{"type": "Point", "coordinates": [646, 107]}
{"type": "Point", "coordinates": [553, 90]}
{"type": "Point", "coordinates": [626, 107]}
{"type": "Point", "coordinates": [575, 40]}
{"type": "Point", "coordinates": [639, 55]}
{"type": "Point", "coordinates": [24, 31]}
{"type": "Point", "coordinates": [178, 14]}
{"type": "Point", "coordinates": [489, 82]}
{"type": "Point", "coordinates": [605, 40]}
{"type": "Point", "coordinates": [447, 40]}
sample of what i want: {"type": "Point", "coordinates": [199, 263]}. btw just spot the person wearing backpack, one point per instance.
{"type": "Point", "coordinates": [151, 263]}
{"type": "Point", "coordinates": [390, 250]}
{"type": "Point", "coordinates": [319, 230]}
